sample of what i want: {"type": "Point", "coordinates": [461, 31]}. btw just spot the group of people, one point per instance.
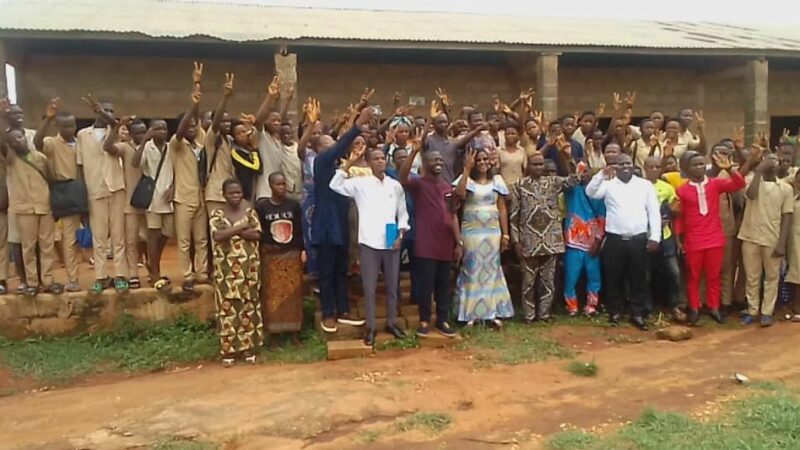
{"type": "Point", "coordinates": [631, 212]}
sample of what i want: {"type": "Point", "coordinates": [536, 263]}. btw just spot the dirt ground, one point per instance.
{"type": "Point", "coordinates": [357, 403]}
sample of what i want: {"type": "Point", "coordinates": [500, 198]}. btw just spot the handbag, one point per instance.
{"type": "Point", "coordinates": [84, 237]}
{"type": "Point", "coordinates": [68, 198]}
{"type": "Point", "coordinates": [143, 193]}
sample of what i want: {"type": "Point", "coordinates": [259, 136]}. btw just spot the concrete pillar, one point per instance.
{"type": "Point", "coordinates": [547, 84]}
{"type": "Point", "coordinates": [286, 70]}
{"type": "Point", "coordinates": [756, 90]}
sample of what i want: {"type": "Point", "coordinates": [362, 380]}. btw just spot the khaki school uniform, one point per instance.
{"type": "Point", "coordinates": [269, 150]}
{"type": "Point", "coordinates": [729, 228]}
{"type": "Point", "coordinates": [62, 163]}
{"type": "Point", "coordinates": [191, 218]}
{"type": "Point", "coordinates": [759, 234]}
{"type": "Point", "coordinates": [220, 168]}
{"type": "Point", "coordinates": [159, 215]}
{"type": "Point", "coordinates": [105, 183]}
{"type": "Point", "coordinates": [134, 218]}
{"type": "Point", "coordinates": [686, 141]}
{"type": "Point", "coordinates": [641, 150]}
{"type": "Point", "coordinates": [3, 221]}
{"type": "Point", "coordinates": [13, 226]}
{"type": "Point", "coordinates": [292, 169]}
{"type": "Point", "coordinates": [29, 199]}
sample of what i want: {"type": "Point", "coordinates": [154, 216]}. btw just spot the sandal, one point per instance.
{"type": "Point", "coordinates": [98, 287]}
{"type": "Point", "coordinates": [188, 286]}
{"type": "Point", "coordinates": [121, 285]}
{"type": "Point", "coordinates": [228, 362]}
{"type": "Point", "coordinates": [497, 324]}
{"type": "Point", "coordinates": [21, 288]}
{"type": "Point", "coordinates": [55, 288]}
{"type": "Point", "coordinates": [251, 359]}
{"type": "Point", "coordinates": [134, 283]}
{"type": "Point", "coordinates": [796, 318]}
{"type": "Point", "coordinates": [162, 284]}
{"type": "Point", "coordinates": [31, 291]}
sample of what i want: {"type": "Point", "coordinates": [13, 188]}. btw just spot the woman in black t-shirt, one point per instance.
{"type": "Point", "coordinates": [282, 260]}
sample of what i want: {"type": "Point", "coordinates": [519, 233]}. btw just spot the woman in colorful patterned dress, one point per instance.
{"type": "Point", "coordinates": [481, 288]}
{"type": "Point", "coordinates": [236, 230]}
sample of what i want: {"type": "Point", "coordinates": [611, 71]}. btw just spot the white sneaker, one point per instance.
{"type": "Point", "coordinates": [347, 320]}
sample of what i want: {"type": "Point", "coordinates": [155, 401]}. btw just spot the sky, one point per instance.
{"type": "Point", "coordinates": [762, 12]}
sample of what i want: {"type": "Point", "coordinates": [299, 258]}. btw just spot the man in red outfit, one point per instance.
{"type": "Point", "coordinates": [703, 237]}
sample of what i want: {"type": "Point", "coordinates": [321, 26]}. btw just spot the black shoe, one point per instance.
{"type": "Point", "coordinates": [395, 331]}
{"type": "Point", "coordinates": [639, 323]}
{"type": "Point", "coordinates": [714, 313]}
{"type": "Point", "coordinates": [369, 338]}
{"type": "Point", "coordinates": [694, 317]}
{"type": "Point", "coordinates": [444, 329]}
{"type": "Point", "coordinates": [614, 319]}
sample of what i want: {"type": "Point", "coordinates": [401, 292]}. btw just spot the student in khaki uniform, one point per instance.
{"type": "Point", "coordinates": [134, 218]}
{"type": "Point", "coordinates": [191, 218]}
{"type": "Point", "coordinates": [14, 118]}
{"type": "Point", "coordinates": [156, 163]}
{"type": "Point", "coordinates": [218, 150]}
{"type": "Point", "coordinates": [105, 183]}
{"type": "Point", "coordinates": [764, 234]}
{"type": "Point", "coordinates": [267, 125]}
{"type": "Point", "coordinates": [62, 164]}
{"type": "Point", "coordinates": [29, 199]}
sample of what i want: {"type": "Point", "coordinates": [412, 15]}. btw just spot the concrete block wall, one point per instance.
{"type": "Point", "coordinates": [151, 87]}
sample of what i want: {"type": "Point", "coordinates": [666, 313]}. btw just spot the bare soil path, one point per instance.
{"type": "Point", "coordinates": [358, 403]}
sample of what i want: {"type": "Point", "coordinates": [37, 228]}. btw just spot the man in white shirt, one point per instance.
{"type": "Point", "coordinates": [633, 228]}
{"type": "Point", "coordinates": [381, 204]}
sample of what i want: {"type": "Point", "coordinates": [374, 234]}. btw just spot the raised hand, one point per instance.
{"type": "Point", "coordinates": [496, 105]}
{"type": "Point", "coordinates": [630, 99]}
{"type": "Point", "coordinates": [656, 138]}
{"type": "Point", "coordinates": [125, 121]}
{"type": "Point", "coordinates": [601, 108]}
{"type": "Point", "coordinates": [227, 88]}
{"type": "Point", "coordinates": [364, 101]}
{"type": "Point", "coordinates": [396, 99]}
{"type": "Point", "coordinates": [609, 172]}
{"type": "Point", "coordinates": [94, 104]}
{"type": "Point", "coordinates": [52, 108]}
{"type": "Point", "coordinates": [756, 152]}
{"type": "Point", "coordinates": [247, 118]}
{"type": "Point", "coordinates": [444, 97]}
{"type": "Point", "coordinates": [404, 110]}
{"type": "Point", "coordinates": [390, 136]}
{"type": "Point", "coordinates": [197, 73]}
{"type": "Point", "coordinates": [722, 161]}
{"type": "Point", "coordinates": [762, 140]}
{"type": "Point", "coordinates": [563, 145]}
{"type": "Point", "coordinates": [357, 152]}
{"type": "Point", "coordinates": [738, 137]}
{"type": "Point", "coordinates": [669, 148]}
{"type": "Point", "coordinates": [701, 121]}
{"type": "Point", "coordinates": [616, 102]}
{"type": "Point", "coordinates": [274, 88]}
{"type": "Point", "coordinates": [784, 136]}
{"type": "Point", "coordinates": [538, 116]}
{"type": "Point", "coordinates": [365, 116]}
{"type": "Point", "coordinates": [469, 160]}
{"type": "Point", "coordinates": [196, 95]}
{"type": "Point", "coordinates": [434, 109]}
{"type": "Point", "coordinates": [506, 109]}
{"type": "Point", "coordinates": [5, 106]}
{"type": "Point", "coordinates": [416, 141]}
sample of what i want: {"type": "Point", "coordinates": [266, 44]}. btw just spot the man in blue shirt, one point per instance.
{"type": "Point", "coordinates": [330, 228]}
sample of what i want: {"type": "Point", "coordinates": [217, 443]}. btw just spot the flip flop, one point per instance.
{"type": "Point", "coordinates": [162, 284]}
{"type": "Point", "coordinates": [134, 283]}
{"type": "Point", "coordinates": [188, 286]}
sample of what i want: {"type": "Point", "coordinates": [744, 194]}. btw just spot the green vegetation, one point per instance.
{"type": "Point", "coordinates": [582, 369]}
{"type": "Point", "coordinates": [765, 421]}
{"type": "Point", "coordinates": [179, 444]}
{"type": "Point", "coordinates": [433, 423]}
{"type": "Point", "coordinates": [517, 343]}
{"type": "Point", "coordinates": [370, 436]}
{"type": "Point", "coordinates": [135, 346]}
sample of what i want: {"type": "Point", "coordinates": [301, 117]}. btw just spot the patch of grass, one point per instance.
{"type": "Point", "coordinates": [132, 347]}
{"type": "Point", "coordinates": [433, 423]}
{"type": "Point", "coordinates": [571, 440]}
{"type": "Point", "coordinates": [180, 444]}
{"type": "Point", "coordinates": [516, 343]}
{"type": "Point", "coordinates": [761, 422]}
{"type": "Point", "coordinates": [135, 346]}
{"type": "Point", "coordinates": [370, 436]}
{"type": "Point", "coordinates": [768, 385]}
{"type": "Point", "coordinates": [313, 349]}
{"type": "Point", "coordinates": [411, 341]}
{"type": "Point", "coordinates": [583, 369]}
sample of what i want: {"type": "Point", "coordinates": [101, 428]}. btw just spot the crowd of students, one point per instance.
{"type": "Point", "coordinates": [631, 212]}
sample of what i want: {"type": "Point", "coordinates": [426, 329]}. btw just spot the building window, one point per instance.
{"type": "Point", "coordinates": [11, 83]}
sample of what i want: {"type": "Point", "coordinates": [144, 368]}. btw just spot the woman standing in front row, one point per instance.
{"type": "Point", "coordinates": [481, 289]}
{"type": "Point", "coordinates": [282, 259]}
{"type": "Point", "coordinates": [236, 230]}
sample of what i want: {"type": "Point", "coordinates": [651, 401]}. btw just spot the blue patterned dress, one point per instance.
{"type": "Point", "coordinates": [481, 290]}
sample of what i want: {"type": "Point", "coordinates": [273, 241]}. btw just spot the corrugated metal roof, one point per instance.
{"type": "Point", "coordinates": [229, 21]}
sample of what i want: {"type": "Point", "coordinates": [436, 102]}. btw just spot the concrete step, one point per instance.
{"type": "Point", "coordinates": [345, 332]}
{"type": "Point", "coordinates": [346, 349]}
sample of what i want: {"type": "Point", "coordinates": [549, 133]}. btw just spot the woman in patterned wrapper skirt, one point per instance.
{"type": "Point", "coordinates": [236, 230]}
